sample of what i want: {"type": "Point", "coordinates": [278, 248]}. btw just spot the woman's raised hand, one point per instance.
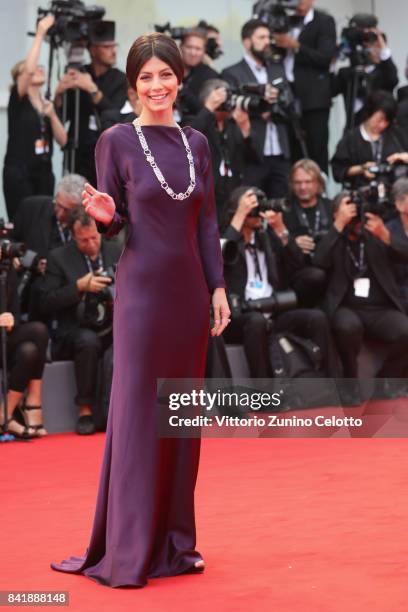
{"type": "Point", "coordinates": [98, 205]}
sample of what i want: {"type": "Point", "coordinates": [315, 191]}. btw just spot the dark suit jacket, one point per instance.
{"type": "Point", "coordinates": [281, 261]}
{"type": "Point", "coordinates": [58, 294]}
{"type": "Point", "coordinates": [240, 74]}
{"type": "Point", "coordinates": [312, 62]}
{"type": "Point", "coordinates": [331, 255]}
{"type": "Point", "coordinates": [353, 150]}
{"type": "Point", "coordinates": [33, 223]}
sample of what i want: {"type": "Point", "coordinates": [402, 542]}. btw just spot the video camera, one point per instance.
{"type": "Point", "coordinates": [212, 48]}
{"type": "Point", "coordinates": [8, 248]}
{"type": "Point", "coordinates": [356, 37]}
{"type": "Point", "coordinates": [74, 21]}
{"type": "Point", "coordinates": [278, 205]}
{"type": "Point", "coordinates": [278, 302]}
{"type": "Point", "coordinates": [95, 311]}
{"type": "Point", "coordinates": [279, 15]}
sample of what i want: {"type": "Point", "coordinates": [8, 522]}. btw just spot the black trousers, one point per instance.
{"type": "Point", "coordinates": [271, 176]}
{"type": "Point", "coordinates": [26, 354]}
{"type": "Point", "coordinates": [85, 348]}
{"type": "Point", "coordinates": [388, 325]}
{"type": "Point", "coordinates": [315, 129]}
{"type": "Point", "coordinates": [20, 182]}
{"type": "Point", "coordinates": [254, 331]}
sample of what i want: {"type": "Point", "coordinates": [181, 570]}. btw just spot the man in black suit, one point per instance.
{"type": "Point", "coordinates": [259, 255]}
{"type": "Point", "coordinates": [310, 49]}
{"type": "Point", "coordinates": [42, 221]}
{"type": "Point", "coordinates": [196, 72]}
{"type": "Point", "coordinates": [270, 138]}
{"type": "Point", "coordinates": [308, 219]}
{"type": "Point", "coordinates": [72, 279]}
{"type": "Point", "coordinates": [362, 298]}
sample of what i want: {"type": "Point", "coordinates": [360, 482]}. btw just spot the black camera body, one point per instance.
{"type": "Point", "coordinates": [96, 309]}
{"type": "Point", "coordinates": [278, 302]}
{"type": "Point", "coordinates": [8, 248]}
{"type": "Point", "coordinates": [279, 15]}
{"type": "Point", "coordinates": [278, 205]}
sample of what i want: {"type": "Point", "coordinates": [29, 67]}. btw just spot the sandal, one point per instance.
{"type": "Point", "coordinates": [40, 430]}
{"type": "Point", "coordinates": [20, 435]}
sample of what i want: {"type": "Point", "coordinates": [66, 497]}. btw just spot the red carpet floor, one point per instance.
{"type": "Point", "coordinates": [284, 525]}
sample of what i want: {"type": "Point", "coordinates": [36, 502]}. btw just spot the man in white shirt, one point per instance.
{"type": "Point", "coordinates": [270, 138]}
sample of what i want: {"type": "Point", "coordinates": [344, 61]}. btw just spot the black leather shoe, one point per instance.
{"type": "Point", "coordinates": [85, 425]}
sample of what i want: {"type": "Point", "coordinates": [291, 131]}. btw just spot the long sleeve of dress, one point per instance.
{"type": "Point", "coordinates": [208, 234]}
{"type": "Point", "coordinates": [109, 181]}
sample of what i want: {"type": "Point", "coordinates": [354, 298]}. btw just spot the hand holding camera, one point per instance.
{"type": "Point", "coordinates": [215, 99]}
{"type": "Point", "coordinates": [346, 213]}
{"type": "Point", "coordinates": [92, 283]}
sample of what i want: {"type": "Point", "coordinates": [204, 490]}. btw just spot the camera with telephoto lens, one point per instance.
{"type": "Point", "coordinates": [356, 38]}
{"type": "Point", "coordinates": [278, 302]}
{"type": "Point", "coordinates": [95, 310]}
{"type": "Point", "coordinates": [74, 21]}
{"type": "Point", "coordinates": [278, 205]}
{"type": "Point", "coordinates": [8, 248]}
{"type": "Point", "coordinates": [248, 97]}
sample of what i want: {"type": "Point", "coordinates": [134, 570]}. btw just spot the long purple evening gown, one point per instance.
{"type": "Point", "coordinates": [144, 522]}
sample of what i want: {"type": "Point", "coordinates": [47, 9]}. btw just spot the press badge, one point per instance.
{"type": "Point", "coordinates": [41, 146]}
{"type": "Point", "coordinates": [92, 123]}
{"type": "Point", "coordinates": [256, 284]}
{"type": "Point", "coordinates": [362, 287]}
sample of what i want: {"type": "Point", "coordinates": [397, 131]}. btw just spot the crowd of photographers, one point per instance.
{"type": "Point", "coordinates": [320, 275]}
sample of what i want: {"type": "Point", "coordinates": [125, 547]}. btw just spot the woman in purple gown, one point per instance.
{"type": "Point", "coordinates": [170, 270]}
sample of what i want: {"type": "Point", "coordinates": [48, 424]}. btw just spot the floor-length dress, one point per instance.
{"type": "Point", "coordinates": [144, 520]}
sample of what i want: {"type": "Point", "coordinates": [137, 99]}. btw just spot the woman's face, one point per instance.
{"type": "Point", "coordinates": [38, 77]}
{"type": "Point", "coordinates": [378, 122]}
{"type": "Point", "coordinates": [156, 85]}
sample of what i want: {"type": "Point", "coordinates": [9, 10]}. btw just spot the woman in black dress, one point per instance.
{"type": "Point", "coordinates": [377, 140]}
{"type": "Point", "coordinates": [32, 125]}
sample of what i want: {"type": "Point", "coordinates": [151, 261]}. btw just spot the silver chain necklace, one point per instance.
{"type": "Point", "coordinates": [156, 169]}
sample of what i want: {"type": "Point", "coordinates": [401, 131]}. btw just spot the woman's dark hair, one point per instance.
{"type": "Point", "coordinates": [153, 45]}
{"type": "Point", "coordinates": [380, 101]}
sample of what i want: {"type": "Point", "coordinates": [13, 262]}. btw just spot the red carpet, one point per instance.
{"type": "Point", "coordinates": [283, 525]}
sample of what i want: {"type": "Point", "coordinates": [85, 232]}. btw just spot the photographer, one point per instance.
{"type": "Point", "coordinates": [72, 283]}
{"type": "Point", "coordinates": [196, 72]}
{"type": "Point", "coordinates": [26, 355]}
{"type": "Point", "coordinates": [257, 261]}
{"type": "Point", "coordinates": [362, 298]}
{"type": "Point", "coordinates": [371, 66]}
{"type": "Point", "coordinates": [228, 133]}
{"type": "Point", "coordinates": [376, 141]}
{"type": "Point", "coordinates": [102, 87]}
{"type": "Point", "coordinates": [308, 220]}
{"type": "Point", "coordinates": [32, 126]}
{"type": "Point", "coordinates": [270, 139]}
{"type": "Point", "coordinates": [310, 48]}
{"type": "Point", "coordinates": [398, 227]}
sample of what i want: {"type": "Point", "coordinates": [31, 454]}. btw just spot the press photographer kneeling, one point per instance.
{"type": "Point", "coordinates": [258, 256]}
{"type": "Point", "coordinates": [75, 292]}
{"type": "Point", "coordinates": [362, 298]}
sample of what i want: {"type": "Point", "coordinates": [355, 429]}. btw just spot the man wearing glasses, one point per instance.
{"type": "Point", "coordinates": [102, 87]}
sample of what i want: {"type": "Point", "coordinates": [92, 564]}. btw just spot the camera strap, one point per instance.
{"type": "Point", "coordinates": [251, 247]}
{"type": "Point", "coordinates": [93, 266]}
{"type": "Point", "coordinates": [306, 221]}
{"type": "Point", "coordinates": [377, 149]}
